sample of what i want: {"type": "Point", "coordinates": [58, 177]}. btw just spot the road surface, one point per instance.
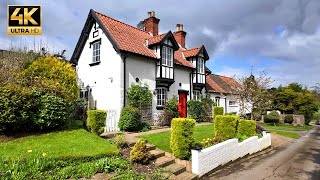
{"type": "Point", "coordinates": [299, 159]}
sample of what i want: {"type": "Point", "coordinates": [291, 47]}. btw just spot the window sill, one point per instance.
{"type": "Point", "coordinates": [95, 63]}
{"type": "Point", "coordinates": [159, 107]}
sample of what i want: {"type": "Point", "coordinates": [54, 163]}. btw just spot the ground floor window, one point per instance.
{"type": "Point", "coordinates": [232, 103]}
{"type": "Point", "coordinates": [84, 94]}
{"type": "Point", "coordinates": [217, 100]}
{"type": "Point", "coordinates": [196, 95]}
{"type": "Point", "coordinates": [161, 96]}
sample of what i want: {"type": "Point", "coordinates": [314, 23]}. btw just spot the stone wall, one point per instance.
{"type": "Point", "coordinates": [298, 120]}
{"type": "Point", "coordinates": [208, 159]}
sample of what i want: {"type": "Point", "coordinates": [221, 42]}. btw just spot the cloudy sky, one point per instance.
{"type": "Point", "coordinates": [280, 37]}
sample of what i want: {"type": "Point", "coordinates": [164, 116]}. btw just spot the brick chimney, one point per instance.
{"type": "Point", "coordinates": [180, 35]}
{"type": "Point", "coordinates": [151, 23]}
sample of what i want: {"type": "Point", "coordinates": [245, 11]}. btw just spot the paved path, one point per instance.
{"type": "Point", "coordinates": [300, 159]}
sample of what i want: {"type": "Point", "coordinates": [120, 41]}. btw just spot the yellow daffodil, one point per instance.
{"type": "Point", "coordinates": [44, 154]}
{"type": "Point", "coordinates": [29, 151]}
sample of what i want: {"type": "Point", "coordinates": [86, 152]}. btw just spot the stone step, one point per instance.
{"type": "Point", "coordinates": [154, 154]}
{"type": "Point", "coordinates": [185, 176]}
{"type": "Point", "coordinates": [164, 161]}
{"type": "Point", "coordinates": [151, 147]}
{"type": "Point", "coordinates": [175, 168]}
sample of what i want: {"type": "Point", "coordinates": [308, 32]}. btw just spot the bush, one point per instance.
{"type": "Point", "coordinates": [96, 121]}
{"type": "Point", "coordinates": [79, 111]}
{"type": "Point", "coordinates": [259, 129]}
{"type": "Point", "coordinates": [144, 126]}
{"type": "Point", "coordinates": [246, 128]}
{"type": "Point", "coordinates": [182, 140]}
{"type": "Point", "coordinates": [130, 119]}
{"type": "Point", "coordinates": [170, 111]}
{"type": "Point", "coordinates": [288, 119]}
{"type": "Point", "coordinates": [225, 126]}
{"type": "Point", "coordinates": [139, 152]}
{"type": "Point", "coordinates": [139, 96]}
{"type": "Point", "coordinates": [272, 117]}
{"type": "Point", "coordinates": [217, 110]}
{"type": "Point", "coordinates": [195, 110]}
{"type": "Point", "coordinates": [120, 141]}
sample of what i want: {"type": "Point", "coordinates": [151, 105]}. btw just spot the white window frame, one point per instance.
{"type": "Point", "coordinates": [196, 95]}
{"type": "Point", "coordinates": [234, 103]}
{"type": "Point", "coordinates": [201, 66]}
{"type": "Point", "coordinates": [162, 95]}
{"type": "Point", "coordinates": [217, 100]}
{"type": "Point", "coordinates": [96, 52]}
{"type": "Point", "coordinates": [167, 56]}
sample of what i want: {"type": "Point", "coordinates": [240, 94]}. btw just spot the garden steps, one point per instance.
{"type": "Point", "coordinates": [185, 176]}
{"type": "Point", "coordinates": [164, 161]}
{"type": "Point", "coordinates": [154, 154]}
{"type": "Point", "coordinates": [175, 168]}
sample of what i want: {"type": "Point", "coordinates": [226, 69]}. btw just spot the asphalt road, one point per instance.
{"type": "Point", "coordinates": [299, 159]}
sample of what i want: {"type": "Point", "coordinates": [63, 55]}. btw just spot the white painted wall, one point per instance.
{"type": "Point", "coordinates": [106, 78]}
{"type": "Point", "coordinates": [181, 75]}
{"type": "Point", "coordinates": [208, 159]}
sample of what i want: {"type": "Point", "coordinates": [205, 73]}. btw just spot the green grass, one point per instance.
{"type": "Point", "coordinates": [162, 140]}
{"type": "Point", "coordinates": [286, 127]}
{"type": "Point", "coordinates": [285, 133]}
{"type": "Point", "coordinates": [64, 144]}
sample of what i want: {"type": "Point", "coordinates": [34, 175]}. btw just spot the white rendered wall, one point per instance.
{"type": "Point", "coordinates": [181, 75]}
{"type": "Point", "coordinates": [208, 159]}
{"type": "Point", "coordinates": [105, 79]}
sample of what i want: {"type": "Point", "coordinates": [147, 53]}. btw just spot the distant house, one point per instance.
{"type": "Point", "coordinates": [111, 55]}
{"type": "Point", "coordinates": [223, 91]}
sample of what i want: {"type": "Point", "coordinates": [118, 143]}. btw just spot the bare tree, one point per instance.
{"type": "Point", "coordinates": [254, 94]}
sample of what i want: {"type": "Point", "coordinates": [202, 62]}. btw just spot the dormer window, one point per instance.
{"type": "Point", "coordinates": [167, 56]}
{"type": "Point", "coordinates": [200, 66]}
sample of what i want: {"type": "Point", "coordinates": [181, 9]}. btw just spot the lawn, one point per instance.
{"type": "Point", "coordinates": [286, 127]}
{"type": "Point", "coordinates": [64, 144]}
{"type": "Point", "coordinates": [285, 133]}
{"type": "Point", "coordinates": [162, 140]}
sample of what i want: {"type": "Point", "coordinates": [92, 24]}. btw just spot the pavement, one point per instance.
{"type": "Point", "coordinates": [296, 159]}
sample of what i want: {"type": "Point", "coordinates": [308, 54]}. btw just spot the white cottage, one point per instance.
{"type": "Point", "coordinates": [111, 55]}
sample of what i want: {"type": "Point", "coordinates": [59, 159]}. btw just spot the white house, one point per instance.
{"type": "Point", "coordinates": [223, 90]}
{"type": "Point", "coordinates": [111, 55]}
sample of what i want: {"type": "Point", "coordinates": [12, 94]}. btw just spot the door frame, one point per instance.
{"type": "Point", "coordinates": [187, 94]}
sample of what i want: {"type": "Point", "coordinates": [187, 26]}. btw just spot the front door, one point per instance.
{"type": "Point", "coordinates": [182, 107]}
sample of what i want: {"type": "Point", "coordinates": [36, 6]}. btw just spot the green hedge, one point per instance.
{"type": "Point", "coordinates": [225, 126]}
{"type": "Point", "coordinates": [96, 121]}
{"type": "Point", "coordinates": [246, 128]}
{"type": "Point", "coordinates": [195, 110]}
{"type": "Point", "coordinates": [288, 119]}
{"type": "Point", "coordinates": [272, 117]}
{"type": "Point", "coordinates": [130, 119]}
{"type": "Point", "coordinates": [217, 110]}
{"type": "Point", "coordinates": [182, 139]}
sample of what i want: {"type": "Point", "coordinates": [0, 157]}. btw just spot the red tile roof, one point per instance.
{"type": "Point", "coordinates": [221, 84]}
{"type": "Point", "coordinates": [132, 39]}
{"type": "Point", "coordinates": [127, 37]}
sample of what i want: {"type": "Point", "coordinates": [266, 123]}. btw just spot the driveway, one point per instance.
{"type": "Point", "coordinates": [299, 159]}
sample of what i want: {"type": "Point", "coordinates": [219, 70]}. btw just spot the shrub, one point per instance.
{"type": "Point", "coordinates": [79, 111]}
{"type": "Point", "coordinates": [144, 126]}
{"type": "Point", "coordinates": [139, 152]}
{"type": "Point", "coordinates": [246, 128]}
{"type": "Point", "coordinates": [170, 111]}
{"type": "Point", "coordinates": [52, 75]}
{"type": "Point", "coordinates": [195, 110]}
{"type": "Point", "coordinates": [217, 110]}
{"type": "Point", "coordinates": [53, 112]}
{"type": "Point", "coordinates": [259, 129]}
{"type": "Point", "coordinates": [120, 141]}
{"type": "Point", "coordinates": [139, 96]}
{"type": "Point", "coordinates": [182, 139]}
{"type": "Point", "coordinates": [225, 126]}
{"type": "Point", "coordinates": [272, 117]}
{"type": "Point", "coordinates": [130, 119]}
{"type": "Point", "coordinates": [242, 137]}
{"type": "Point", "coordinates": [96, 121]}
{"type": "Point", "coordinates": [288, 119]}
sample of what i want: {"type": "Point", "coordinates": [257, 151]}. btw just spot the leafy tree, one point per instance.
{"type": "Point", "coordinates": [254, 91]}
{"type": "Point", "coordinates": [294, 99]}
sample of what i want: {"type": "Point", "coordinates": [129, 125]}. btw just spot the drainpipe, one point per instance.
{"type": "Point", "coordinates": [225, 104]}
{"type": "Point", "coordinates": [124, 57]}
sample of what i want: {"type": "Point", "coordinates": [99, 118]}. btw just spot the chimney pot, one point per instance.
{"type": "Point", "coordinates": [179, 27]}
{"type": "Point", "coordinates": [180, 35]}
{"type": "Point", "coordinates": [151, 14]}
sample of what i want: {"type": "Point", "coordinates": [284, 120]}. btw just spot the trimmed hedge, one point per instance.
{"type": "Point", "coordinates": [225, 126]}
{"type": "Point", "coordinates": [182, 139]}
{"type": "Point", "coordinates": [246, 128]}
{"type": "Point", "coordinates": [288, 119]}
{"type": "Point", "coordinates": [130, 119]}
{"type": "Point", "coordinates": [272, 117]}
{"type": "Point", "coordinates": [217, 110]}
{"type": "Point", "coordinates": [96, 121]}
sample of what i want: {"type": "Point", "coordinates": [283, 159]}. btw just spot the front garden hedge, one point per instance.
{"type": "Point", "coordinates": [246, 128]}
{"type": "Point", "coordinates": [182, 139]}
{"type": "Point", "coordinates": [272, 117]}
{"type": "Point", "coordinates": [225, 126]}
{"type": "Point", "coordinates": [130, 119]}
{"type": "Point", "coordinates": [217, 110]}
{"type": "Point", "coordinates": [96, 121]}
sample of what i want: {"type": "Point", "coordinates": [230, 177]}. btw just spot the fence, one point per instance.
{"type": "Point", "coordinates": [208, 159]}
{"type": "Point", "coordinates": [112, 120]}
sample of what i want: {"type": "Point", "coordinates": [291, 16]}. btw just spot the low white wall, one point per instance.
{"type": "Point", "coordinates": [207, 159]}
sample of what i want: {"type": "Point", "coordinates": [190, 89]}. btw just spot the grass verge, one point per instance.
{"type": "Point", "coordinates": [162, 139]}
{"type": "Point", "coordinates": [286, 127]}
{"type": "Point", "coordinates": [285, 133]}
